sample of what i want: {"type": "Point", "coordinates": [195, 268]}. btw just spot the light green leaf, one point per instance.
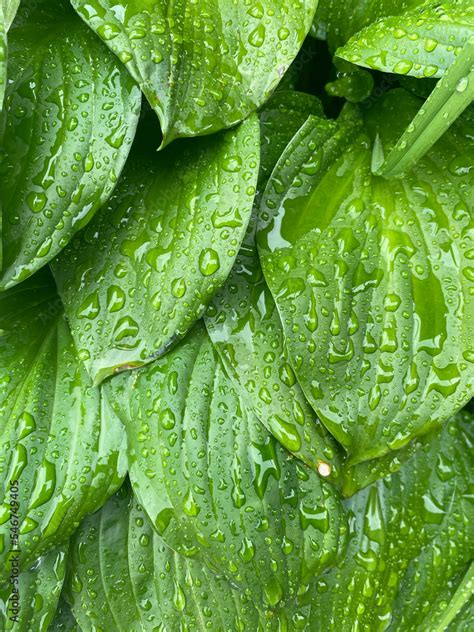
{"type": "Point", "coordinates": [338, 20]}
{"type": "Point", "coordinates": [168, 239]}
{"type": "Point", "coordinates": [63, 447]}
{"type": "Point", "coordinates": [69, 118]}
{"type": "Point", "coordinates": [9, 7]}
{"type": "Point", "coordinates": [29, 603]}
{"type": "Point", "coordinates": [351, 259]}
{"type": "Point", "coordinates": [148, 586]}
{"type": "Point", "coordinates": [216, 485]}
{"type": "Point", "coordinates": [423, 42]}
{"type": "Point", "coordinates": [410, 545]}
{"type": "Point", "coordinates": [206, 65]}
{"type": "Point", "coordinates": [453, 93]}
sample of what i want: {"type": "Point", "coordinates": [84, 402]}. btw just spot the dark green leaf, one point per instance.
{"type": "Point", "coordinates": [205, 65]}
{"type": "Point", "coordinates": [411, 540]}
{"type": "Point", "coordinates": [216, 485]}
{"type": "Point", "coordinates": [147, 586]}
{"type": "Point", "coordinates": [3, 56]}
{"type": "Point", "coordinates": [373, 279]}
{"type": "Point", "coordinates": [32, 608]}
{"type": "Point", "coordinates": [423, 42]}
{"type": "Point", "coordinates": [64, 620]}
{"type": "Point", "coordinates": [62, 447]}
{"type": "Point", "coordinates": [168, 239]}
{"type": "Point", "coordinates": [69, 117]}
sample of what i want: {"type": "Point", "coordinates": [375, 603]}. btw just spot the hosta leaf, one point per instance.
{"type": "Point", "coordinates": [64, 620]}
{"type": "Point", "coordinates": [338, 20]}
{"type": "Point", "coordinates": [69, 117]}
{"type": "Point", "coordinates": [216, 485]}
{"type": "Point", "coordinates": [9, 8]}
{"type": "Point", "coordinates": [351, 259]}
{"type": "Point", "coordinates": [148, 586]}
{"type": "Point", "coordinates": [168, 239]}
{"type": "Point", "coordinates": [30, 603]}
{"type": "Point", "coordinates": [423, 42]}
{"type": "Point", "coordinates": [244, 326]}
{"type": "Point", "coordinates": [61, 446]}
{"type": "Point", "coordinates": [206, 65]}
{"type": "Point", "coordinates": [410, 543]}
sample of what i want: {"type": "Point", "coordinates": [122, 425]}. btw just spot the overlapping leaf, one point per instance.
{"type": "Point", "coordinates": [216, 485]}
{"type": "Point", "coordinates": [350, 259]}
{"type": "Point", "coordinates": [61, 447]}
{"type": "Point", "coordinates": [407, 566]}
{"type": "Point", "coordinates": [205, 65]}
{"type": "Point", "coordinates": [338, 20]}
{"type": "Point", "coordinates": [167, 241]}
{"type": "Point", "coordinates": [148, 586]}
{"type": "Point", "coordinates": [9, 9]}
{"type": "Point", "coordinates": [244, 325]}
{"type": "Point", "coordinates": [69, 118]}
{"type": "Point", "coordinates": [30, 602]}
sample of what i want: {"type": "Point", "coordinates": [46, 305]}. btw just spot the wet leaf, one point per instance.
{"type": "Point", "coordinates": [205, 65]}
{"type": "Point", "coordinates": [69, 116]}
{"type": "Point", "coordinates": [216, 485]}
{"type": "Point", "coordinates": [9, 9]}
{"type": "Point", "coordinates": [338, 20]}
{"type": "Point", "coordinates": [423, 42]}
{"type": "Point", "coordinates": [351, 259]}
{"type": "Point", "coordinates": [168, 239]}
{"type": "Point", "coordinates": [243, 322]}
{"type": "Point", "coordinates": [149, 586]}
{"type": "Point", "coordinates": [39, 588]}
{"type": "Point", "coordinates": [64, 620]}
{"type": "Point", "coordinates": [62, 447]}
{"type": "Point", "coordinates": [410, 545]}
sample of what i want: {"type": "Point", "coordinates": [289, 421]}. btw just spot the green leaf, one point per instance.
{"type": "Point", "coordinates": [351, 258]}
{"type": "Point", "coordinates": [64, 447]}
{"type": "Point", "coordinates": [453, 93]}
{"type": "Point", "coordinates": [30, 602]}
{"type": "Point", "coordinates": [423, 42]}
{"type": "Point", "coordinates": [410, 544]}
{"type": "Point", "coordinates": [168, 239]}
{"type": "Point", "coordinates": [148, 586]}
{"type": "Point", "coordinates": [3, 56]}
{"type": "Point", "coordinates": [69, 119]}
{"type": "Point", "coordinates": [64, 620]}
{"type": "Point", "coordinates": [216, 485]}
{"type": "Point", "coordinates": [338, 20]}
{"type": "Point", "coordinates": [9, 9]}
{"type": "Point", "coordinates": [244, 326]}
{"type": "Point", "coordinates": [203, 66]}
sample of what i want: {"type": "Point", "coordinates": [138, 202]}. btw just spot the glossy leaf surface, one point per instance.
{"type": "Point", "coordinates": [9, 8]}
{"type": "Point", "coordinates": [422, 43]}
{"type": "Point", "coordinates": [168, 239]}
{"type": "Point", "coordinates": [338, 20]}
{"type": "Point", "coordinates": [216, 485]}
{"type": "Point", "coordinates": [39, 588]}
{"type": "Point", "coordinates": [149, 586]}
{"type": "Point", "coordinates": [206, 65]}
{"type": "Point", "coordinates": [61, 447]}
{"type": "Point", "coordinates": [70, 114]}
{"type": "Point", "coordinates": [410, 543]}
{"type": "Point", "coordinates": [244, 325]}
{"type": "Point", "coordinates": [351, 259]}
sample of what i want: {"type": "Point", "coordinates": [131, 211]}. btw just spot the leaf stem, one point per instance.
{"type": "Point", "coordinates": [452, 95]}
